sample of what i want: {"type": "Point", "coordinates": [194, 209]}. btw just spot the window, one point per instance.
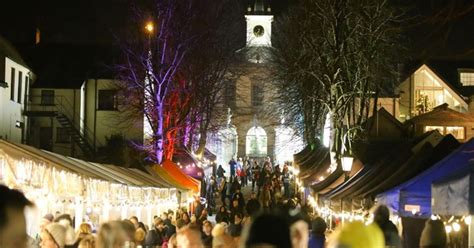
{"type": "Point", "coordinates": [47, 97]}
{"type": "Point", "coordinates": [12, 85]}
{"type": "Point", "coordinates": [457, 132]}
{"type": "Point", "coordinates": [257, 95]}
{"type": "Point", "coordinates": [62, 135]}
{"type": "Point", "coordinates": [230, 92]}
{"type": "Point", "coordinates": [256, 142]}
{"type": "Point", "coordinates": [466, 78]}
{"type": "Point", "coordinates": [20, 78]}
{"type": "Point", "coordinates": [27, 86]}
{"type": "Point", "coordinates": [108, 100]}
{"type": "Point", "coordinates": [431, 128]}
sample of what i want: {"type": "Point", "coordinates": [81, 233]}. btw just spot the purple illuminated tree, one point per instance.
{"type": "Point", "coordinates": [174, 70]}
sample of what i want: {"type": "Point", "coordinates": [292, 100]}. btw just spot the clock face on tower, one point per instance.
{"type": "Point", "coordinates": [258, 31]}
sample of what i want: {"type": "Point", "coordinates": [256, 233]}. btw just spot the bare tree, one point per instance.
{"type": "Point", "coordinates": [174, 74]}
{"type": "Point", "coordinates": [333, 57]}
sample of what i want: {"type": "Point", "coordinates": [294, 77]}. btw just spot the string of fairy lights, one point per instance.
{"type": "Point", "coordinates": [453, 224]}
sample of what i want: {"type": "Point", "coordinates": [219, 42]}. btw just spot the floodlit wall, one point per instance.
{"type": "Point", "coordinates": [11, 110]}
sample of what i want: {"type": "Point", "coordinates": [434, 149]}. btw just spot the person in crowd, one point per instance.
{"type": "Point", "coordinates": [211, 189]}
{"type": "Point", "coordinates": [156, 235]}
{"type": "Point", "coordinates": [229, 190]}
{"type": "Point", "coordinates": [223, 190]}
{"type": "Point", "coordinates": [88, 241]}
{"type": "Point", "coordinates": [262, 177]}
{"type": "Point", "coordinates": [207, 234]}
{"type": "Point", "coordinates": [236, 208]}
{"type": "Point", "coordinates": [172, 243]}
{"type": "Point", "coordinates": [53, 236]}
{"type": "Point", "coordinates": [214, 169]}
{"type": "Point", "coordinates": [232, 166]}
{"type": "Point", "coordinates": [299, 230]}
{"type": "Point", "coordinates": [239, 197]}
{"type": "Point", "coordinates": [202, 218]}
{"type": "Point", "coordinates": [220, 172]}
{"type": "Point", "coordinates": [140, 234]}
{"type": "Point", "coordinates": [220, 239]}
{"type": "Point", "coordinates": [235, 186]}
{"type": "Point", "coordinates": [185, 218]}
{"type": "Point", "coordinates": [84, 230]}
{"type": "Point", "coordinates": [12, 218]}
{"type": "Point", "coordinates": [317, 238]}
{"type": "Point", "coordinates": [265, 197]}
{"type": "Point", "coordinates": [46, 220]}
{"type": "Point", "coordinates": [223, 214]}
{"type": "Point", "coordinates": [134, 221]}
{"type": "Point", "coordinates": [267, 230]}
{"type": "Point", "coordinates": [253, 205]}
{"type": "Point", "coordinates": [390, 232]}
{"type": "Point", "coordinates": [433, 235]}
{"type": "Point", "coordinates": [115, 234]}
{"type": "Point", "coordinates": [255, 172]}
{"type": "Point", "coordinates": [198, 207]}
{"type": "Point", "coordinates": [235, 228]}
{"type": "Point", "coordinates": [66, 221]}
{"type": "Point", "coordinates": [357, 235]}
{"type": "Point", "coordinates": [189, 236]}
{"type": "Point", "coordinates": [286, 182]}
{"type": "Point", "coordinates": [169, 227]}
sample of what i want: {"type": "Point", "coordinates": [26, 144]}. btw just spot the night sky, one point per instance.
{"type": "Point", "coordinates": [436, 28]}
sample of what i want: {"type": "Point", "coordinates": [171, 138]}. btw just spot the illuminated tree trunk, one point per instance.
{"type": "Point", "coordinates": [158, 144]}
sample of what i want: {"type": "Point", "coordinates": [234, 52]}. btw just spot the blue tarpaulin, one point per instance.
{"type": "Point", "coordinates": [413, 198]}
{"type": "Point", "coordinates": [454, 194]}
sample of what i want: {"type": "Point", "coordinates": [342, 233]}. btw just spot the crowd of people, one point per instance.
{"type": "Point", "coordinates": [271, 217]}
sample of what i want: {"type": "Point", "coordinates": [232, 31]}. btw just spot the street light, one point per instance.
{"type": "Point", "coordinates": [347, 165]}
{"type": "Point", "coordinates": [149, 27]}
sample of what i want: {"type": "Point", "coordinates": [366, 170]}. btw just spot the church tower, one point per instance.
{"type": "Point", "coordinates": [259, 25]}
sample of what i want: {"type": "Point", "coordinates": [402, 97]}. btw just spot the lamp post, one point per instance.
{"type": "Point", "coordinates": [149, 27]}
{"type": "Point", "coordinates": [347, 160]}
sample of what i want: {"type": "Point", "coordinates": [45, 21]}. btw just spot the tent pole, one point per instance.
{"type": "Point", "coordinates": [471, 232]}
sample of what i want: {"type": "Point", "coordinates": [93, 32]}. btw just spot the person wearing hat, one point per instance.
{"type": "Point", "coordinates": [53, 236]}
{"type": "Point", "coordinates": [357, 235]}
{"type": "Point", "coordinates": [433, 235]}
{"type": "Point", "coordinates": [317, 238]}
{"type": "Point", "coordinates": [267, 230]}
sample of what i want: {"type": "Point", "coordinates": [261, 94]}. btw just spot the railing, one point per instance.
{"type": "Point", "coordinates": [62, 105]}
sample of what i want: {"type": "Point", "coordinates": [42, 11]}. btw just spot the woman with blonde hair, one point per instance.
{"type": "Point", "coordinates": [84, 230]}
{"type": "Point", "coordinates": [87, 241]}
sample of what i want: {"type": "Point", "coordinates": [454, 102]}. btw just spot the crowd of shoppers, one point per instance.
{"type": "Point", "coordinates": [254, 222]}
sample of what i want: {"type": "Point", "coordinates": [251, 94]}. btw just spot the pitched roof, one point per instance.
{"type": "Point", "coordinates": [447, 70]}
{"type": "Point", "coordinates": [8, 50]}
{"type": "Point", "coordinates": [442, 112]}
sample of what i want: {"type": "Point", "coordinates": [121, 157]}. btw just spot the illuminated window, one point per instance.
{"type": "Point", "coordinates": [256, 142]}
{"type": "Point", "coordinates": [431, 128]}
{"type": "Point", "coordinates": [457, 132]}
{"type": "Point", "coordinates": [467, 78]}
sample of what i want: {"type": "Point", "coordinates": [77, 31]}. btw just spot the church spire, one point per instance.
{"type": "Point", "coordinates": [259, 7]}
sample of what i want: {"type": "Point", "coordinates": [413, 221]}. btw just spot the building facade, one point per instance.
{"type": "Point", "coordinates": [75, 114]}
{"type": "Point", "coordinates": [15, 81]}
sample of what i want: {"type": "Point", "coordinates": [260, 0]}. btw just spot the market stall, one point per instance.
{"type": "Point", "coordinates": [87, 191]}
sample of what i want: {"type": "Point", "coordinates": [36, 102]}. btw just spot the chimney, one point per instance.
{"type": "Point", "coordinates": [37, 36]}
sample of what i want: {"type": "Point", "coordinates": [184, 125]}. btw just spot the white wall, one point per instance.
{"type": "Point", "coordinates": [11, 111]}
{"type": "Point", "coordinates": [266, 22]}
{"type": "Point", "coordinates": [105, 123]}
{"type": "Point", "coordinates": [67, 102]}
